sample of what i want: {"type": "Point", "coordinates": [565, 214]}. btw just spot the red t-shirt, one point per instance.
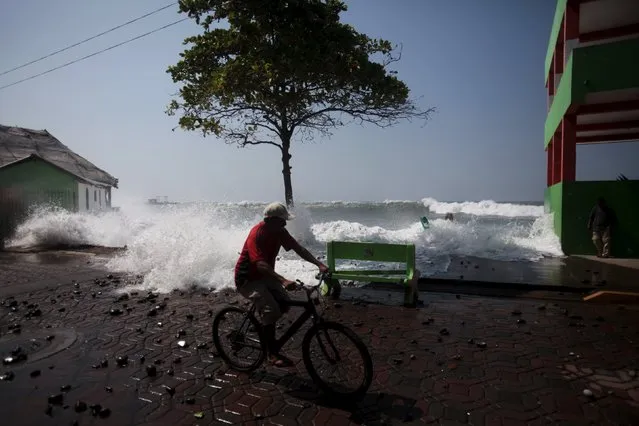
{"type": "Point", "coordinates": [262, 244]}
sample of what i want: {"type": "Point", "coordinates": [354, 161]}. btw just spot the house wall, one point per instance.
{"type": "Point", "coordinates": [31, 183]}
{"type": "Point", "coordinates": [38, 181]}
{"type": "Point", "coordinates": [92, 198]}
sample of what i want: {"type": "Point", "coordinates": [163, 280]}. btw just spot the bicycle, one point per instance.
{"type": "Point", "coordinates": [242, 337]}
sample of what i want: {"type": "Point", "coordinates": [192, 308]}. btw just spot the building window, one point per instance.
{"type": "Point", "coordinates": [95, 195]}
{"type": "Point", "coordinates": [87, 197]}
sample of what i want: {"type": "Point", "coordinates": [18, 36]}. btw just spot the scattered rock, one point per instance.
{"type": "Point", "coordinates": [169, 390]}
{"type": "Point", "coordinates": [95, 409]}
{"type": "Point", "coordinates": [482, 345]}
{"type": "Point", "coordinates": [170, 372]}
{"type": "Point", "coordinates": [104, 413]}
{"type": "Point", "coordinates": [181, 333]}
{"type": "Point", "coordinates": [122, 361]}
{"type": "Point", "coordinates": [190, 400]}
{"type": "Point", "coordinates": [189, 317]}
{"type": "Point", "coordinates": [109, 389]}
{"type": "Point", "coordinates": [151, 371]}
{"type": "Point", "coordinates": [516, 312]}
{"type": "Point", "coordinates": [49, 410]}
{"type": "Point", "coordinates": [521, 321]}
{"type": "Point", "coordinates": [49, 338]}
{"type": "Point", "coordinates": [541, 308]}
{"type": "Point", "coordinates": [588, 393]}
{"type": "Point", "coordinates": [397, 361]}
{"type": "Point", "coordinates": [201, 345]}
{"type": "Point", "coordinates": [35, 373]}
{"type": "Point", "coordinates": [7, 377]}
{"type": "Point", "coordinates": [80, 407]}
{"type": "Point", "coordinates": [56, 399]}
{"type": "Point", "coordinates": [471, 341]}
{"type": "Point", "coordinates": [444, 332]}
{"type": "Point", "coordinates": [182, 343]}
{"type": "Point", "coordinates": [413, 357]}
{"type": "Point", "coordinates": [115, 311]}
{"type": "Point", "coordinates": [65, 388]}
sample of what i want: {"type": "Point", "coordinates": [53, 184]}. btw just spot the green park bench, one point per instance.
{"type": "Point", "coordinates": [378, 253]}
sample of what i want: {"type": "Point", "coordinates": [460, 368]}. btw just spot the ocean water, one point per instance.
{"type": "Point", "coordinates": [177, 246]}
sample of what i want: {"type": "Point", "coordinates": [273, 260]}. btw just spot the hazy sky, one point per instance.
{"type": "Point", "coordinates": [480, 63]}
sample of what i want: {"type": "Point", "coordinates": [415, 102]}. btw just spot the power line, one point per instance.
{"type": "Point", "coordinates": [88, 39]}
{"type": "Point", "coordinates": [93, 54]}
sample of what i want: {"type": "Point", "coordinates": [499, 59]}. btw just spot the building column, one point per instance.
{"type": "Point", "coordinates": [570, 27]}
{"type": "Point", "coordinates": [549, 176]}
{"type": "Point", "coordinates": [568, 148]}
{"type": "Point", "coordinates": [556, 158]}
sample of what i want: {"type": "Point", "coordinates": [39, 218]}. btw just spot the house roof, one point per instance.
{"type": "Point", "coordinates": [17, 143]}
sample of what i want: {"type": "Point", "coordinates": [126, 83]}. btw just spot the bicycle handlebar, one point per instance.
{"type": "Point", "coordinates": [322, 276]}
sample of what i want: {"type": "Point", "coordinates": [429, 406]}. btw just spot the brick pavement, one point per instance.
{"type": "Point", "coordinates": [537, 361]}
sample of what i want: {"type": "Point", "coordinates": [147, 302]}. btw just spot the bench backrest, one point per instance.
{"type": "Point", "coordinates": [376, 252]}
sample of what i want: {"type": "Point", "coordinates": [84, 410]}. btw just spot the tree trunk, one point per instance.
{"type": "Point", "coordinates": [286, 172]}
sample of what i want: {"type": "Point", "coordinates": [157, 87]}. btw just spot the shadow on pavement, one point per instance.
{"type": "Point", "coordinates": [375, 408]}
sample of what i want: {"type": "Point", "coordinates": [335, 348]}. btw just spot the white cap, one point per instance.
{"type": "Point", "coordinates": [277, 210]}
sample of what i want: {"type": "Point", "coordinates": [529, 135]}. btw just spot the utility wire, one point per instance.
{"type": "Point", "coordinates": [94, 54]}
{"type": "Point", "coordinates": [88, 39]}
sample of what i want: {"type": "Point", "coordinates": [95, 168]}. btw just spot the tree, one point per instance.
{"type": "Point", "coordinates": [268, 72]}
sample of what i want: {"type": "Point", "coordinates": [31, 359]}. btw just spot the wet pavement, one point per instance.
{"type": "Point", "coordinates": [572, 273]}
{"type": "Point", "coordinates": [456, 360]}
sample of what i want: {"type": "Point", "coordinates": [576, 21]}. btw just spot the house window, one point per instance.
{"type": "Point", "coordinates": [100, 198]}
{"type": "Point", "coordinates": [95, 195]}
{"type": "Point", "coordinates": [87, 197]}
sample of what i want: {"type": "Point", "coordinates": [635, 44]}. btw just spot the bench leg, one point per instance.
{"type": "Point", "coordinates": [332, 288]}
{"type": "Point", "coordinates": [411, 292]}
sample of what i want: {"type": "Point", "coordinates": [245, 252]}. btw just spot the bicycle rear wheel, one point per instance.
{"type": "Point", "coordinates": [347, 358]}
{"type": "Point", "coordinates": [236, 336]}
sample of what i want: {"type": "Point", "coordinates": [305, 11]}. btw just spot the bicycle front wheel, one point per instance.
{"type": "Point", "coordinates": [333, 354]}
{"type": "Point", "coordinates": [237, 338]}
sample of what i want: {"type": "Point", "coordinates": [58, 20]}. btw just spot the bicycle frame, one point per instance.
{"type": "Point", "coordinates": [309, 312]}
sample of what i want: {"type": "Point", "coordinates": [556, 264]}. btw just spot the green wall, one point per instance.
{"type": "Point", "coordinates": [571, 203]}
{"type": "Point", "coordinates": [32, 182]}
{"type": "Point", "coordinates": [553, 204]}
{"type": "Point", "coordinates": [605, 67]}
{"type": "Point", "coordinates": [35, 175]}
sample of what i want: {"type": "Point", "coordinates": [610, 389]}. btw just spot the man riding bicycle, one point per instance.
{"type": "Point", "coordinates": [255, 276]}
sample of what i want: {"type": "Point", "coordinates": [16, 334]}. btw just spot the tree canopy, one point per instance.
{"type": "Point", "coordinates": [274, 71]}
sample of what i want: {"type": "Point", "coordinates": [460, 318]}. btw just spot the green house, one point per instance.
{"type": "Point", "coordinates": [36, 168]}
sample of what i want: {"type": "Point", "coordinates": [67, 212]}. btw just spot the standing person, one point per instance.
{"type": "Point", "coordinates": [255, 276]}
{"type": "Point", "coordinates": [602, 219]}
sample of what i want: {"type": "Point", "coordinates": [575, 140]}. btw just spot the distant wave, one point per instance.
{"type": "Point", "coordinates": [484, 208]}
